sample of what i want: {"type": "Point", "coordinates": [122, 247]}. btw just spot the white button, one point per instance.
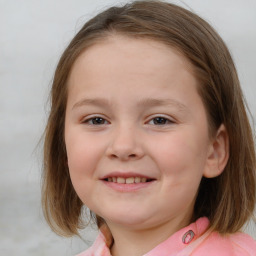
{"type": "Point", "coordinates": [188, 236]}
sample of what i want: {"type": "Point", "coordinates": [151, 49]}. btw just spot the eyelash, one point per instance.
{"type": "Point", "coordinates": [97, 121]}
{"type": "Point", "coordinates": [95, 118]}
{"type": "Point", "coordinates": [161, 119]}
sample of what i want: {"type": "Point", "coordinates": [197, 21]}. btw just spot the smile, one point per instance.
{"type": "Point", "coordinates": [129, 180]}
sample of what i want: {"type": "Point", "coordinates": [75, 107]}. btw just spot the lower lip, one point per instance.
{"type": "Point", "coordinates": [122, 187]}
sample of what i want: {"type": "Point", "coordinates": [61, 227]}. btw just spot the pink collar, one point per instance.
{"type": "Point", "coordinates": [182, 243]}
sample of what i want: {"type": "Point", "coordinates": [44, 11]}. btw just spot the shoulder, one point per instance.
{"type": "Point", "coordinates": [238, 244]}
{"type": "Point", "coordinates": [99, 247]}
{"type": "Point", "coordinates": [244, 243]}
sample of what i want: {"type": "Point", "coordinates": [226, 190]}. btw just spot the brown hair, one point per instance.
{"type": "Point", "coordinates": [227, 200]}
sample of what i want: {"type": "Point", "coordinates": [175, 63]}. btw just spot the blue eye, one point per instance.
{"type": "Point", "coordinates": [96, 121]}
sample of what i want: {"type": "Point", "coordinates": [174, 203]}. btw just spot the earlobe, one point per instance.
{"type": "Point", "coordinates": [218, 154]}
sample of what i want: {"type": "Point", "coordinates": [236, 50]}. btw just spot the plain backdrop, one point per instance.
{"type": "Point", "coordinates": [33, 34]}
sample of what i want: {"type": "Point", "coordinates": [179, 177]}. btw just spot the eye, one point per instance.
{"type": "Point", "coordinates": [159, 120]}
{"type": "Point", "coordinates": [95, 121]}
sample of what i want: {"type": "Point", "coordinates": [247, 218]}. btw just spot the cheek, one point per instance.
{"type": "Point", "coordinates": [182, 161]}
{"type": "Point", "coordinates": [82, 161]}
{"type": "Point", "coordinates": [82, 154]}
{"type": "Point", "coordinates": [181, 155]}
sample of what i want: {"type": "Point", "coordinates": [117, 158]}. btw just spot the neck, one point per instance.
{"type": "Point", "coordinates": [136, 242]}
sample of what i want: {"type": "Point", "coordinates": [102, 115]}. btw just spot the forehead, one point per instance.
{"type": "Point", "coordinates": [135, 56]}
{"type": "Point", "coordinates": [124, 71]}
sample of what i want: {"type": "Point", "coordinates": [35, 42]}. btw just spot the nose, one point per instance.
{"type": "Point", "coordinates": [125, 144]}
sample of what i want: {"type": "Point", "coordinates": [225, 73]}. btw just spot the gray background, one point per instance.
{"type": "Point", "coordinates": [33, 34]}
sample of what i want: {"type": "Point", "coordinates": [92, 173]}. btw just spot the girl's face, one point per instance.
{"type": "Point", "coordinates": [136, 133]}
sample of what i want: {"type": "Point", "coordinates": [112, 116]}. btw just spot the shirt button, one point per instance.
{"type": "Point", "coordinates": [188, 237]}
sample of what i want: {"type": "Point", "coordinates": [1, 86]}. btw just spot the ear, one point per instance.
{"type": "Point", "coordinates": [218, 153]}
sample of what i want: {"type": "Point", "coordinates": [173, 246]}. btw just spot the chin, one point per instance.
{"type": "Point", "coordinates": [127, 219]}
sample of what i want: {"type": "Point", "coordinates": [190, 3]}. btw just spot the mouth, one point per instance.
{"type": "Point", "coordinates": [128, 180]}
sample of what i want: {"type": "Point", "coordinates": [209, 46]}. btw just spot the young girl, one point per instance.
{"type": "Point", "coordinates": [148, 129]}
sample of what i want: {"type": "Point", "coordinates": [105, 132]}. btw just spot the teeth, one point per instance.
{"type": "Point", "coordinates": [137, 180]}
{"type": "Point", "coordinates": [130, 180]}
{"type": "Point", "coordinates": [143, 179]}
{"type": "Point", "coordinates": [120, 180]}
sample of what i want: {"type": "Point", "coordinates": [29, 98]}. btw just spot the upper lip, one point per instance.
{"type": "Point", "coordinates": [126, 175]}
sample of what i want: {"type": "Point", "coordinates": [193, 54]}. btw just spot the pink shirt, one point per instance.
{"type": "Point", "coordinates": [190, 241]}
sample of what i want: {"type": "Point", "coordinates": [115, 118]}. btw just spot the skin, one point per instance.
{"type": "Point", "coordinates": [127, 84]}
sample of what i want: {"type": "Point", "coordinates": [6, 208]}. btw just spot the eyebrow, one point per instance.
{"type": "Point", "coordinates": [146, 102]}
{"type": "Point", "coordinates": [152, 102]}
{"type": "Point", "coordinates": [95, 101]}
